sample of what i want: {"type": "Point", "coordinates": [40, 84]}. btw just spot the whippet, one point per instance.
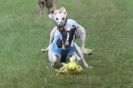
{"type": "Point", "coordinates": [60, 18]}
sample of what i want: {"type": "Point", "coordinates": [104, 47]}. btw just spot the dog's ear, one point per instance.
{"type": "Point", "coordinates": [50, 16]}
{"type": "Point", "coordinates": [52, 10]}
{"type": "Point", "coordinates": [63, 10]}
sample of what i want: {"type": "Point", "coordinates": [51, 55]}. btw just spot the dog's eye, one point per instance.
{"type": "Point", "coordinates": [63, 18]}
{"type": "Point", "coordinates": [56, 18]}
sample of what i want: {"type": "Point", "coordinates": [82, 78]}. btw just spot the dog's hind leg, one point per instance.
{"type": "Point", "coordinates": [81, 33]}
{"type": "Point", "coordinates": [50, 58]}
{"type": "Point", "coordinates": [82, 36]}
{"type": "Point", "coordinates": [54, 60]}
{"type": "Point", "coordinates": [80, 54]}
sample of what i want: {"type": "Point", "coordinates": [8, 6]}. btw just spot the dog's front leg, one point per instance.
{"type": "Point", "coordinates": [78, 58]}
{"type": "Point", "coordinates": [53, 6]}
{"type": "Point", "coordinates": [52, 34]}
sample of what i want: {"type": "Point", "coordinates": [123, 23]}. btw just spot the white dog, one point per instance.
{"type": "Point", "coordinates": [62, 37]}
{"type": "Point", "coordinates": [60, 18]}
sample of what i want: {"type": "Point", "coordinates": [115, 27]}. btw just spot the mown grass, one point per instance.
{"type": "Point", "coordinates": [109, 31]}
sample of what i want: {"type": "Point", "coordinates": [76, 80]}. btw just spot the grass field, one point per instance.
{"type": "Point", "coordinates": [109, 26]}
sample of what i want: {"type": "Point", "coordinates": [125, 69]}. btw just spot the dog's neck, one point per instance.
{"type": "Point", "coordinates": [60, 28]}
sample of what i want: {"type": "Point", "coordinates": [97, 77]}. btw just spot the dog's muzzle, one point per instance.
{"type": "Point", "coordinates": [61, 24]}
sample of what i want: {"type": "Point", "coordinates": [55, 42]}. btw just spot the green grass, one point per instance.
{"type": "Point", "coordinates": [109, 31]}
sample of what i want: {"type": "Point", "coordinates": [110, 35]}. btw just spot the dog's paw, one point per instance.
{"type": "Point", "coordinates": [44, 50]}
{"type": "Point", "coordinates": [88, 51]}
{"type": "Point", "coordinates": [88, 66]}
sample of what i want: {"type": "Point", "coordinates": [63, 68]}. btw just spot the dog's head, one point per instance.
{"type": "Point", "coordinates": [59, 16]}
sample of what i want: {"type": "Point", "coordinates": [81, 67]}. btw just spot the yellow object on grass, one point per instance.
{"type": "Point", "coordinates": [70, 68]}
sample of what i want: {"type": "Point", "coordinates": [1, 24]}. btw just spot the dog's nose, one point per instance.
{"type": "Point", "coordinates": [60, 24]}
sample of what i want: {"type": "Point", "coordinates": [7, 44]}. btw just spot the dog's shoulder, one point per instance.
{"type": "Point", "coordinates": [70, 24]}
{"type": "Point", "coordinates": [57, 35]}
